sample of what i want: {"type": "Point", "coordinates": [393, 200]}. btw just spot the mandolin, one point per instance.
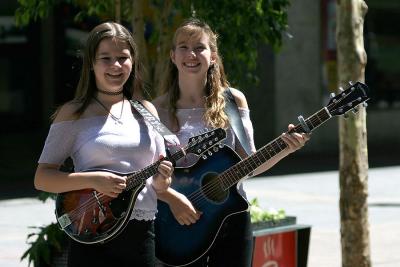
{"type": "Point", "coordinates": [89, 217]}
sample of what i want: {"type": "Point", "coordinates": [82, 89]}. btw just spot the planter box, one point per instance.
{"type": "Point", "coordinates": [280, 243]}
{"type": "Point", "coordinates": [288, 220]}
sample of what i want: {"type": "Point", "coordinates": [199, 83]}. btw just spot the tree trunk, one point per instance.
{"type": "Point", "coordinates": [353, 138]}
{"type": "Point", "coordinates": [117, 6]}
{"type": "Point", "coordinates": [163, 46]}
{"type": "Point", "coordinates": [138, 27]}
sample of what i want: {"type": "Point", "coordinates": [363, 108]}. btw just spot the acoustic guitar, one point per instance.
{"type": "Point", "coordinates": [210, 185]}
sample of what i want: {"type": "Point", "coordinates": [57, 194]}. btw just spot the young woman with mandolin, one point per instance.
{"type": "Point", "coordinates": [99, 130]}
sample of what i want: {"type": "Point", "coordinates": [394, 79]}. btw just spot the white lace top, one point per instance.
{"type": "Point", "coordinates": [191, 123]}
{"type": "Point", "coordinates": [102, 143]}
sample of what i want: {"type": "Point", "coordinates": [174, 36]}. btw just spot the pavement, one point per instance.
{"type": "Point", "coordinates": [312, 197]}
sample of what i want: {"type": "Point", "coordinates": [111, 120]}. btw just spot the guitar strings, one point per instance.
{"type": "Point", "coordinates": [211, 189]}
{"type": "Point", "coordinates": [92, 202]}
{"type": "Point", "coordinates": [195, 196]}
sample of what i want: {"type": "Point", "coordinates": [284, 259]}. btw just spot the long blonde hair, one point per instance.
{"type": "Point", "coordinates": [216, 83]}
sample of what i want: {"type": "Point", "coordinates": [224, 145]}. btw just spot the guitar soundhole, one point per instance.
{"type": "Point", "coordinates": [212, 189]}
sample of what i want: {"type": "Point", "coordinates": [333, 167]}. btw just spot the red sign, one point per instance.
{"type": "Point", "coordinates": [275, 250]}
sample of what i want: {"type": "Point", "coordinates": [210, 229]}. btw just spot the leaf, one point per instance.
{"type": "Point", "coordinates": [257, 214]}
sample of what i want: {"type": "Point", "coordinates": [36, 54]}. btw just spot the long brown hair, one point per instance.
{"type": "Point", "coordinates": [86, 88]}
{"type": "Point", "coordinates": [214, 115]}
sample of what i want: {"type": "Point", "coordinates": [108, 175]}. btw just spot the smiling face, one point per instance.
{"type": "Point", "coordinates": [112, 65]}
{"type": "Point", "coordinates": [192, 54]}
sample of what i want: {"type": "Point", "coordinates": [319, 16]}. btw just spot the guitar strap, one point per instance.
{"type": "Point", "coordinates": [232, 110]}
{"type": "Point", "coordinates": [169, 137]}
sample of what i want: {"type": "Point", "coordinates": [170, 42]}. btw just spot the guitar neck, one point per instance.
{"type": "Point", "coordinates": [235, 173]}
{"type": "Point", "coordinates": [137, 178]}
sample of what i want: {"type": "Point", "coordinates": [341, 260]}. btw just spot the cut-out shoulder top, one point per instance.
{"type": "Point", "coordinates": [191, 123]}
{"type": "Point", "coordinates": [101, 143]}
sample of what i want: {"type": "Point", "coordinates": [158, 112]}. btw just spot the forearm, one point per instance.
{"type": "Point", "coordinates": [166, 195]}
{"type": "Point", "coordinates": [50, 179]}
{"type": "Point", "coordinates": [270, 163]}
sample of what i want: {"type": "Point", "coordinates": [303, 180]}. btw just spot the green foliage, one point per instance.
{"type": "Point", "coordinates": [258, 215]}
{"type": "Point", "coordinates": [43, 196]}
{"type": "Point", "coordinates": [32, 10]}
{"type": "Point", "coordinates": [44, 243]}
{"type": "Point", "coordinates": [242, 25]}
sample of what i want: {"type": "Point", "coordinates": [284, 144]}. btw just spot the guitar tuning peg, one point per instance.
{"type": "Point", "coordinates": [332, 95]}
{"type": "Point", "coordinates": [365, 104]}
{"type": "Point", "coordinates": [204, 156]}
{"type": "Point", "coordinates": [351, 83]}
{"type": "Point", "coordinates": [340, 89]}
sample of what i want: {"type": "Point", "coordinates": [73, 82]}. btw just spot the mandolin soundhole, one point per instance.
{"type": "Point", "coordinates": [211, 188]}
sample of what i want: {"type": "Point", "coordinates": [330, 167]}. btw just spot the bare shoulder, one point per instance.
{"type": "Point", "coordinates": [160, 102]}
{"type": "Point", "coordinates": [240, 98]}
{"type": "Point", "coordinates": [150, 107]}
{"type": "Point", "coordinates": [67, 111]}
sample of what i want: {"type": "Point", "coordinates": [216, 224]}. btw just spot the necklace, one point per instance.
{"type": "Point", "coordinates": [110, 93]}
{"type": "Point", "coordinates": [115, 118]}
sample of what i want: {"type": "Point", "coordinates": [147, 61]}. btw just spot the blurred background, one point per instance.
{"type": "Point", "coordinates": [40, 64]}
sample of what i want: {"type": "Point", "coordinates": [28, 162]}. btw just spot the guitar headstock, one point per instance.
{"type": "Point", "coordinates": [348, 99]}
{"type": "Point", "coordinates": [202, 142]}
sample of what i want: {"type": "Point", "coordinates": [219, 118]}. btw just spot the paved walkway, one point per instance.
{"type": "Point", "coordinates": [311, 197]}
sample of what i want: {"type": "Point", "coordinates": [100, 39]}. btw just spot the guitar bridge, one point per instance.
{"type": "Point", "coordinates": [64, 221]}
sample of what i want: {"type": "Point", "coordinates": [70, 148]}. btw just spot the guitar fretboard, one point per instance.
{"type": "Point", "coordinates": [197, 145]}
{"type": "Point", "coordinates": [232, 175]}
{"type": "Point", "coordinates": [137, 178]}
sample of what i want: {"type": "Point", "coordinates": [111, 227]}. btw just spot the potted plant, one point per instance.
{"type": "Point", "coordinates": [278, 239]}
{"type": "Point", "coordinates": [262, 219]}
{"type": "Point", "coordinates": [47, 243]}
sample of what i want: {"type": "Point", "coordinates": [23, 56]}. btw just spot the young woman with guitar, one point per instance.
{"type": "Point", "coordinates": [99, 130]}
{"type": "Point", "coordinates": [191, 99]}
